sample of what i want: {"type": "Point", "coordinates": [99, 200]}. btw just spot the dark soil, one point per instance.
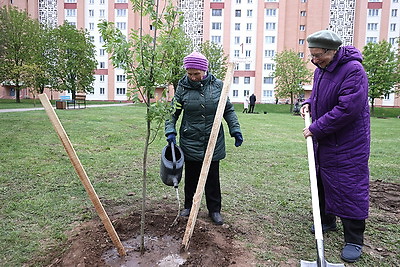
{"type": "Point", "coordinates": [210, 245]}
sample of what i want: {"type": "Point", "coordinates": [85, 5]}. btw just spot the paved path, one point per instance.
{"type": "Point", "coordinates": [88, 106]}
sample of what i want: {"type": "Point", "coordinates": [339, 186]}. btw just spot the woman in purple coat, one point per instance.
{"type": "Point", "coordinates": [341, 133]}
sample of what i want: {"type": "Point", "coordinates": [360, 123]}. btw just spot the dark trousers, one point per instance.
{"type": "Point", "coordinates": [251, 110]}
{"type": "Point", "coordinates": [353, 229]}
{"type": "Point", "coordinates": [212, 187]}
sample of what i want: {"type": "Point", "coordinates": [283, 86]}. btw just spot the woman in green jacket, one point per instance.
{"type": "Point", "coordinates": [197, 95]}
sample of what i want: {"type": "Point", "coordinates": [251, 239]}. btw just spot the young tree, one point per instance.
{"type": "Point", "coordinates": [290, 75]}
{"type": "Point", "coordinates": [72, 60]}
{"type": "Point", "coordinates": [149, 59]}
{"type": "Point", "coordinates": [381, 63]}
{"type": "Point", "coordinates": [19, 38]}
{"type": "Point", "coordinates": [218, 61]}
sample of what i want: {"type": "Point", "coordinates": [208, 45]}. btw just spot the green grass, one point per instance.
{"type": "Point", "coordinates": [264, 182]}
{"type": "Point", "coordinates": [35, 103]}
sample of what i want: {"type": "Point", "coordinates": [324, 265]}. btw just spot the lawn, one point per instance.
{"type": "Point", "coordinates": [264, 182]}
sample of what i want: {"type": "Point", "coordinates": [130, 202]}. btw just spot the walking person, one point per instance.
{"type": "Point", "coordinates": [340, 130]}
{"type": "Point", "coordinates": [252, 103]}
{"type": "Point", "coordinates": [197, 95]}
{"type": "Point", "coordinates": [246, 104]}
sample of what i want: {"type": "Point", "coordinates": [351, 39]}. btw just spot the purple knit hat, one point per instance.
{"type": "Point", "coordinates": [196, 61]}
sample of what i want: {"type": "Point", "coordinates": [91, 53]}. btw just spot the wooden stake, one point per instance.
{"type": "Point", "coordinates": [208, 157]}
{"type": "Point", "coordinates": [82, 174]}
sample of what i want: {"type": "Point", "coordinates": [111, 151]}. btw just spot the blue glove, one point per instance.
{"type": "Point", "coordinates": [171, 138]}
{"type": "Point", "coordinates": [238, 139]}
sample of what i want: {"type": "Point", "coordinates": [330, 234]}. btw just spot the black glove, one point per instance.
{"type": "Point", "coordinates": [238, 139]}
{"type": "Point", "coordinates": [171, 138]}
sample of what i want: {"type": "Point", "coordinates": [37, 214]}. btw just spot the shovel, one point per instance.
{"type": "Point", "coordinates": [321, 262]}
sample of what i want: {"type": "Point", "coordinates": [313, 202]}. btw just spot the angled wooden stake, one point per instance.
{"type": "Point", "coordinates": [208, 157]}
{"type": "Point", "coordinates": [82, 174]}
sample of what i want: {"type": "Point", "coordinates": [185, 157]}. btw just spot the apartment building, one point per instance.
{"type": "Point", "coordinates": [251, 32]}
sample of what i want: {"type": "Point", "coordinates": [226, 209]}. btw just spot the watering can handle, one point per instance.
{"type": "Point", "coordinates": [173, 156]}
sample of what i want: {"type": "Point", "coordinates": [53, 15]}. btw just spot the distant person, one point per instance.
{"type": "Point", "coordinates": [246, 104]}
{"type": "Point", "coordinates": [340, 130]}
{"type": "Point", "coordinates": [252, 103]}
{"type": "Point", "coordinates": [196, 98]}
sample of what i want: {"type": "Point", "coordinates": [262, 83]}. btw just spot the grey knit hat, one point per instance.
{"type": "Point", "coordinates": [324, 39]}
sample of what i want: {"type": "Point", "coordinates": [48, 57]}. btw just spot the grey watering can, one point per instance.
{"type": "Point", "coordinates": [171, 165]}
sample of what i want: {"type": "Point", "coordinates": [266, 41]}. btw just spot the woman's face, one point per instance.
{"type": "Point", "coordinates": [195, 75]}
{"type": "Point", "coordinates": [322, 57]}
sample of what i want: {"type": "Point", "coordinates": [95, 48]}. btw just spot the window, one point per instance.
{"type": "Point", "coordinates": [91, 26]}
{"type": "Point", "coordinates": [237, 39]}
{"type": "Point", "coordinates": [216, 12]}
{"type": "Point", "coordinates": [102, 90]}
{"type": "Point", "coordinates": [247, 66]}
{"type": "Point", "coordinates": [237, 26]}
{"type": "Point", "coordinates": [372, 26]}
{"type": "Point", "coordinates": [120, 78]}
{"type": "Point", "coordinates": [373, 12]}
{"type": "Point", "coordinates": [216, 39]}
{"type": "Point", "coordinates": [101, 39]}
{"type": "Point", "coordinates": [269, 66]}
{"type": "Point", "coordinates": [249, 13]}
{"type": "Point", "coordinates": [120, 91]}
{"type": "Point", "coordinates": [301, 41]}
{"type": "Point", "coordinates": [238, 13]}
{"type": "Point", "coordinates": [91, 38]}
{"type": "Point", "coordinates": [235, 93]}
{"type": "Point", "coordinates": [236, 53]}
{"type": "Point", "coordinates": [393, 27]}
{"type": "Point", "coordinates": [371, 40]}
{"type": "Point", "coordinates": [246, 92]}
{"type": "Point", "coordinates": [72, 23]}
{"type": "Point", "coordinates": [303, 1]}
{"type": "Point", "coordinates": [70, 12]}
{"type": "Point", "coordinates": [235, 80]}
{"type": "Point", "coordinates": [392, 41]}
{"type": "Point", "coordinates": [267, 93]}
{"type": "Point", "coordinates": [91, 13]}
{"type": "Point", "coordinates": [302, 27]}
{"type": "Point", "coordinates": [269, 53]}
{"type": "Point", "coordinates": [268, 80]}
{"type": "Point", "coordinates": [394, 12]}
{"type": "Point", "coordinates": [395, 1]}
{"type": "Point", "coordinates": [303, 13]}
{"type": "Point", "coordinates": [102, 52]}
{"type": "Point", "coordinates": [102, 65]}
{"type": "Point", "coordinates": [216, 25]}
{"type": "Point", "coordinates": [121, 25]}
{"type": "Point", "coordinates": [121, 12]}
{"type": "Point", "coordinates": [248, 26]}
{"type": "Point", "coordinates": [248, 53]}
{"type": "Point", "coordinates": [270, 12]}
{"type": "Point", "coordinates": [246, 80]}
{"type": "Point", "coordinates": [249, 1]}
{"type": "Point", "coordinates": [238, 1]}
{"type": "Point", "coordinates": [102, 13]}
{"type": "Point", "coordinates": [301, 55]}
{"type": "Point", "coordinates": [269, 39]}
{"type": "Point", "coordinates": [101, 78]}
{"type": "Point", "coordinates": [121, 1]}
{"type": "Point", "coordinates": [270, 26]}
{"type": "Point", "coordinates": [102, 2]}
{"type": "Point", "coordinates": [248, 40]}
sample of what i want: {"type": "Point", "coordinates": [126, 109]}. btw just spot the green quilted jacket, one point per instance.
{"type": "Point", "coordinates": [199, 101]}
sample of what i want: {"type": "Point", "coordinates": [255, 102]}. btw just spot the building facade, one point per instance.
{"type": "Point", "coordinates": [251, 33]}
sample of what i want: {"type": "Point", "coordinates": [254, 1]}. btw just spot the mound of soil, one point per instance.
{"type": "Point", "coordinates": [210, 245]}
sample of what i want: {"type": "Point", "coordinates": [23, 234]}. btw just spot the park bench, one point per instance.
{"type": "Point", "coordinates": [66, 102]}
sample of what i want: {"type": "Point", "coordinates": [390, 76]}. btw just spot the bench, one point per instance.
{"type": "Point", "coordinates": [65, 101]}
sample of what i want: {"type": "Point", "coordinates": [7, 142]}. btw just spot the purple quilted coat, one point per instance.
{"type": "Point", "coordinates": [341, 133]}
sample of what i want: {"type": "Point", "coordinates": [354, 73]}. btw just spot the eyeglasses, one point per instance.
{"type": "Point", "coordinates": [319, 55]}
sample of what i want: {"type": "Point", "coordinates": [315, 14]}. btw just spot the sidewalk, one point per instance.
{"type": "Point", "coordinates": [88, 106]}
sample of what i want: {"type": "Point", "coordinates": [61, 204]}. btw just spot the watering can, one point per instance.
{"type": "Point", "coordinates": [171, 165]}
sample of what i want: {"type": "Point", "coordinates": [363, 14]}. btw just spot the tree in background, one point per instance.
{"type": "Point", "coordinates": [381, 63]}
{"type": "Point", "coordinates": [149, 58]}
{"type": "Point", "coordinates": [19, 38]}
{"type": "Point", "coordinates": [71, 58]}
{"type": "Point", "coordinates": [290, 74]}
{"type": "Point", "coordinates": [218, 61]}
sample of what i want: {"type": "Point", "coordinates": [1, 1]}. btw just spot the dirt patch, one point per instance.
{"type": "Point", "coordinates": [210, 245]}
